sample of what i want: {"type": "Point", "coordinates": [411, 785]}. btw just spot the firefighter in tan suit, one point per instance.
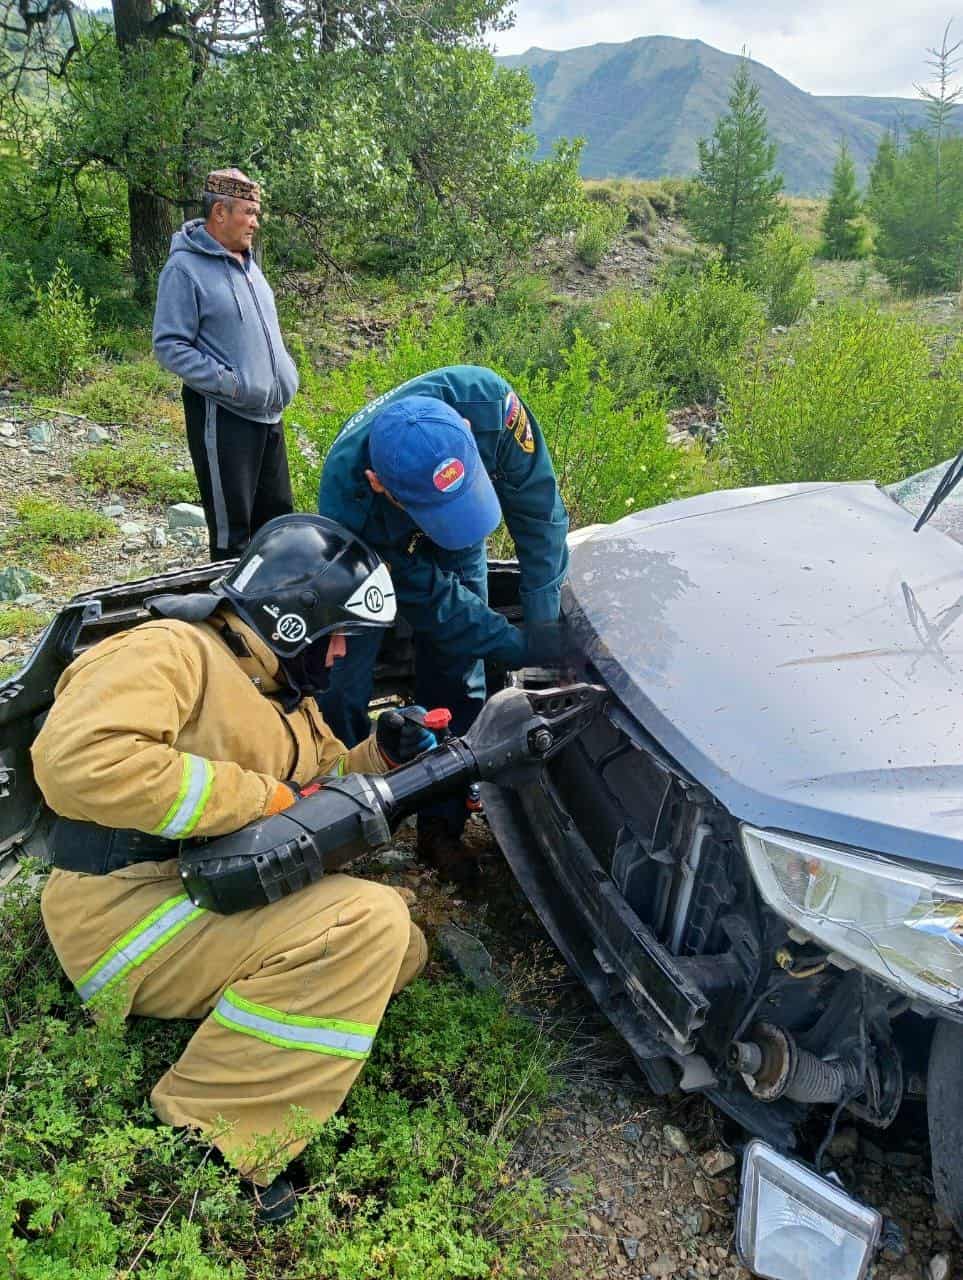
{"type": "Point", "coordinates": [194, 725]}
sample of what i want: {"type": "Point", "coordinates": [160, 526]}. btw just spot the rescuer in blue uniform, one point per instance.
{"type": "Point", "coordinates": [424, 474]}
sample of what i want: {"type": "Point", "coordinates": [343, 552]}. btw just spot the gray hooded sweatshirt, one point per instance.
{"type": "Point", "coordinates": [216, 327]}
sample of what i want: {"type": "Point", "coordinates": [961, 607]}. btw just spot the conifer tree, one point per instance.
{"type": "Point", "coordinates": [735, 196]}
{"type": "Point", "coordinates": [843, 233]}
{"type": "Point", "coordinates": [883, 168]}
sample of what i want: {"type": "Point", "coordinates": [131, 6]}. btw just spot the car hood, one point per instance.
{"type": "Point", "coordinates": [798, 650]}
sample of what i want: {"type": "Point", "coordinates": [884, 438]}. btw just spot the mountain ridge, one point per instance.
{"type": "Point", "coordinates": [643, 104]}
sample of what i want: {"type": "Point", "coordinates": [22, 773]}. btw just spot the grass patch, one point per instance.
{"type": "Point", "coordinates": [43, 522]}
{"type": "Point", "coordinates": [806, 215]}
{"type": "Point", "coordinates": [133, 466]}
{"type": "Point", "coordinates": [413, 1180]}
{"type": "Point", "coordinates": [18, 620]}
{"type": "Point", "coordinates": [140, 393]}
{"type": "Point", "coordinates": [8, 669]}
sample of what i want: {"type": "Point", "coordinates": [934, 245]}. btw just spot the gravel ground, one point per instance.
{"type": "Point", "coordinates": [662, 1172]}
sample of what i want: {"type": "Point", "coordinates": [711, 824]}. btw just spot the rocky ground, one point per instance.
{"type": "Point", "coordinates": [662, 1172]}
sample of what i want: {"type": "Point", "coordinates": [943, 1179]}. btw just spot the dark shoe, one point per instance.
{"type": "Point", "coordinates": [439, 848]}
{"type": "Point", "coordinates": [274, 1203]}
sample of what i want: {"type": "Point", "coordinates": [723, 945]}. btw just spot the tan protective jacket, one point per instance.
{"type": "Point", "coordinates": [163, 729]}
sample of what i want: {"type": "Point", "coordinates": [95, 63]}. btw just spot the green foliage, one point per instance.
{"type": "Point", "coordinates": [850, 397]}
{"type": "Point", "coordinates": [18, 620]}
{"type": "Point", "coordinates": [601, 225]}
{"type": "Point", "coordinates": [844, 232]}
{"type": "Point", "coordinates": [883, 169]}
{"type": "Point", "coordinates": [134, 466]}
{"type": "Point", "coordinates": [413, 1179]}
{"type": "Point", "coordinates": [734, 199]}
{"type": "Point", "coordinates": [56, 342]}
{"type": "Point", "coordinates": [780, 270]}
{"type": "Point", "coordinates": [42, 521]}
{"type": "Point", "coordinates": [139, 392]}
{"type": "Point", "coordinates": [682, 341]}
{"type": "Point", "coordinates": [917, 204]}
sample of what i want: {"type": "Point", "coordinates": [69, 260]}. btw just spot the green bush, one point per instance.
{"type": "Point", "coordinates": [780, 270]}
{"type": "Point", "coordinates": [622, 193]}
{"type": "Point", "coordinates": [413, 1180]}
{"type": "Point", "coordinates": [42, 521]}
{"type": "Point", "coordinates": [20, 621]}
{"type": "Point", "coordinates": [850, 397]}
{"type": "Point", "coordinates": [56, 343]}
{"type": "Point", "coordinates": [683, 341]}
{"type": "Point", "coordinates": [134, 466]}
{"type": "Point", "coordinates": [600, 228]}
{"type": "Point", "coordinates": [138, 392]}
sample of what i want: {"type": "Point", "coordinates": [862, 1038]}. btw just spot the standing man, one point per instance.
{"type": "Point", "coordinates": [193, 725]}
{"type": "Point", "coordinates": [216, 328]}
{"type": "Point", "coordinates": [425, 474]}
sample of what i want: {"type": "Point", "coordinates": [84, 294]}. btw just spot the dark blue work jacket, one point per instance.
{"type": "Point", "coordinates": [516, 457]}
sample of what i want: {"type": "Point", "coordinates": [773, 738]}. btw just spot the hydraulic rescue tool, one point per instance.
{"type": "Point", "coordinates": [338, 819]}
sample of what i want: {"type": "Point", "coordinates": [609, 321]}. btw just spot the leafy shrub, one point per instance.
{"type": "Point", "coordinates": [780, 270]}
{"type": "Point", "coordinates": [683, 341]}
{"type": "Point", "coordinates": [598, 231]}
{"type": "Point", "coordinates": [134, 466]}
{"type": "Point", "coordinates": [20, 621]}
{"type": "Point", "coordinates": [57, 342]}
{"type": "Point", "coordinates": [622, 193]}
{"type": "Point", "coordinates": [412, 1180]}
{"type": "Point", "coordinates": [850, 397]}
{"type": "Point", "coordinates": [139, 392]}
{"type": "Point", "coordinates": [43, 521]}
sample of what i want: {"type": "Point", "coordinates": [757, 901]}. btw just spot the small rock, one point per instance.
{"type": "Point", "coordinates": [631, 1132]}
{"type": "Point", "coordinates": [663, 1266]}
{"type": "Point", "coordinates": [676, 1139]}
{"type": "Point", "coordinates": [7, 429]}
{"type": "Point", "coordinates": [630, 1247]}
{"type": "Point", "coordinates": [844, 1143]}
{"type": "Point", "coordinates": [39, 448]}
{"type": "Point", "coordinates": [939, 1267]}
{"type": "Point", "coordinates": [468, 956]}
{"type": "Point", "coordinates": [131, 529]}
{"type": "Point", "coordinates": [14, 582]}
{"type": "Point", "coordinates": [98, 435]}
{"type": "Point", "coordinates": [11, 444]}
{"type": "Point", "coordinates": [717, 1161]}
{"type": "Point", "coordinates": [779, 328]}
{"type": "Point", "coordinates": [903, 1159]}
{"type": "Point", "coordinates": [56, 475]}
{"type": "Point", "coordinates": [113, 510]}
{"type": "Point", "coordinates": [28, 599]}
{"type": "Point", "coordinates": [158, 536]}
{"type": "Point", "coordinates": [184, 515]}
{"type": "Point", "coordinates": [41, 433]}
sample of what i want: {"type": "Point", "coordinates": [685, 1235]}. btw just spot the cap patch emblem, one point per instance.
{"type": "Point", "coordinates": [449, 475]}
{"type": "Point", "coordinates": [292, 628]}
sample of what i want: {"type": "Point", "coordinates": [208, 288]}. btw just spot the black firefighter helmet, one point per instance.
{"type": "Point", "coordinates": [303, 577]}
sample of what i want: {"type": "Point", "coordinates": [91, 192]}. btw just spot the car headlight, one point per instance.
{"type": "Point", "coordinates": [900, 922]}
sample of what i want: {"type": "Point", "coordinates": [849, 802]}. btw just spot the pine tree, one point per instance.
{"type": "Point", "coordinates": [883, 168]}
{"type": "Point", "coordinates": [735, 196]}
{"type": "Point", "coordinates": [843, 233]}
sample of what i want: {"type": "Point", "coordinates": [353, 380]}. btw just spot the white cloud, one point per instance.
{"type": "Point", "coordinates": [846, 46]}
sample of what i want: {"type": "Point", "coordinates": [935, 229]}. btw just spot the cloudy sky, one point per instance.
{"type": "Point", "coordinates": [823, 46]}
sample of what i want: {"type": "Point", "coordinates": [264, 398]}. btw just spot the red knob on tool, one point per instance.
{"type": "Point", "coordinates": [437, 720]}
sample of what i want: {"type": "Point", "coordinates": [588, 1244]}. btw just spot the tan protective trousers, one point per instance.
{"type": "Point", "coordinates": [290, 994]}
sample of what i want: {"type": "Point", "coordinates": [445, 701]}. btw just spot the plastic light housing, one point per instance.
{"type": "Point", "coordinates": [896, 920]}
{"type": "Point", "coordinates": [794, 1225]}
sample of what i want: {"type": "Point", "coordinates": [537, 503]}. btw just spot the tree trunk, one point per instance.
{"type": "Point", "coordinates": [151, 220]}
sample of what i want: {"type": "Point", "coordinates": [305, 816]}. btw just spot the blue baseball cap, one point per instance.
{"type": "Point", "coordinates": [426, 457]}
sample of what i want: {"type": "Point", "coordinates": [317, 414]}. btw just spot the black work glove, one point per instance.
{"type": "Point", "coordinates": [401, 735]}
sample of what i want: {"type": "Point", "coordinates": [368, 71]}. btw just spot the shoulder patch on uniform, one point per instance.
{"type": "Point", "coordinates": [516, 421]}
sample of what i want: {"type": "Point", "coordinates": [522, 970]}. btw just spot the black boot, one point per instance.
{"type": "Point", "coordinates": [274, 1203]}
{"type": "Point", "coordinates": [438, 847]}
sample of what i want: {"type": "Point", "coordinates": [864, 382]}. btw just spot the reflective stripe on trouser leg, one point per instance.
{"type": "Point", "coordinates": [292, 1030]}
{"type": "Point", "coordinates": [197, 778]}
{"type": "Point", "coordinates": [221, 528]}
{"type": "Point", "coordinates": [146, 937]}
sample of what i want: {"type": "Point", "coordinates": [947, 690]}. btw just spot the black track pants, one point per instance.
{"type": "Point", "coordinates": [242, 472]}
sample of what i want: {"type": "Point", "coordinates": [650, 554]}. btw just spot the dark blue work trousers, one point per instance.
{"type": "Point", "coordinates": [442, 678]}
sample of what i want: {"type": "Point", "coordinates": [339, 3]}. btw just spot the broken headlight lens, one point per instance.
{"type": "Point", "coordinates": [898, 921]}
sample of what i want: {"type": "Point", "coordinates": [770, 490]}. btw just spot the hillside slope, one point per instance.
{"type": "Point", "coordinates": [643, 105]}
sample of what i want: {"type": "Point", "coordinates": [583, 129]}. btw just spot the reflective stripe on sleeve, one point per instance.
{"type": "Point", "coordinates": [293, 1030]}
{"type": "Point", "coordinates": [197, 778]}
{"type": "Point", "coordinates": [146, 937]}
